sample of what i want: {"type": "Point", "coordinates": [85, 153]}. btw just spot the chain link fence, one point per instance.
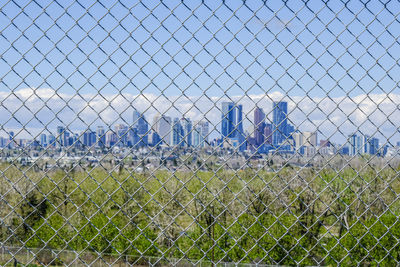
{"type": "Point", "coordinates": [229, 133]}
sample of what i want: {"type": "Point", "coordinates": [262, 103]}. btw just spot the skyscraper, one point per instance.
{"type": "Point", "coordinates": [67, 140]}
{"type": "Point", "coordinates": [204, 132]}
{"type": "Point", "coordinates": [304, 142]}
{"type": "Point", "coordinates": [177, 133]}
{"type": "Point", "coordinates": [200, 134]}
{"type": "Point", "coordinates": [365, 144]}
{"type": "Point", "coordinates": [162, 126]}
{"type": "Point", "coordinates": [232, 124]}
{"type": "Point", "coordinates": [268, 134]}
{"type": "Point", "coordinates": [298, 139]}
{"type": "Point", "coordinates": [100, 136]}
{"type": "Point", "coordinates": [88, 138]}
{"type": "Point", "coordinates": [228, 120]}
{"type": "Point", "coordinates": [75, 140]}
{"type": "Point", "coordinates": [259, 125]}
{"type": "Point", "coordinates": [61, 136]}
{"type": "Point", "coordinates": [122, 132]}
{"type": "Point", "coordinates": [362, 144]}
{"type": "Point", "coordinates": [310, 139]}
{"type": "Point", "coordinates": [111, 138]}
{"type": "Point", "coordinates": [352, 144]}
{"type": "Point", "coordinates": [187, 131]}
{"type": "Point", "coordinates": [51, 140]}
{"type": "Point", "coordinates": [197, 136]}
{"type": "Point", "coordinates": [373, 146]}
{"type": "Point", "coordinates": [155, 139]}
{"type": "Point", "coordinates": [43, 140]}
{"type": "Point", "coordinates": [134, 139]}
{"type": "Point", "coordinates": [141, 125]}
{"type": "Point", "coordinates": [239, 120]}
{"type": "Point", "coordinates": [279, 125]}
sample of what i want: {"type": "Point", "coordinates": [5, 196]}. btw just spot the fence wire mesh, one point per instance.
{"type": "Point", "coordinates": [199, 133]}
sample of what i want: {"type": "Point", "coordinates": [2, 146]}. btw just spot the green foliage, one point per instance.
{"type": "Point", "coordinates": [289, 217]}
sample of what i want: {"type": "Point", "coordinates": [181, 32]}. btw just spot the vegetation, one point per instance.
{"type": "Point", "coordinates": [294, 216]}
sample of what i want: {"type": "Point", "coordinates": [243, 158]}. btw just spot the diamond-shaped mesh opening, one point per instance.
{"type": "Point", "coordinates": [199, 133]}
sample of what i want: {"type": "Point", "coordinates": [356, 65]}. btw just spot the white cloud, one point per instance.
{"type": "Point", "coordinates": [32, 109]}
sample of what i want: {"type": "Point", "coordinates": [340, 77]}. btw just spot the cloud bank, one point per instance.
{"type": "Point", "coordinates": [32, 111]}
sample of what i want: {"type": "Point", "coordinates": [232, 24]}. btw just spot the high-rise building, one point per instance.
{"type": "Point", "coordinates": [259, 126]}
{"type": "Point", "coordinates": [200, 134]}
{"type": "Point", "coordinates": [67, 138]}
{"type": "Point", "coordinates": [60, 131]}
{"type": "Point", "coordinates": [135, 139]}
{"type": "Point", "coordinates": [232, 124]}
{"type": "Point", "coordinates": [240, 136]}
{"type": "Point", "coordinates": [155, 139]}
{"type": "Point", "coordinates": [187, 131]}
{"type": "Point", "coordinates": [298, 138]}
{"type": "Point", "coordinates": [279, 123]}
{"type": "Point", "coordinates": [75, 140]}
{"type": "Point", "coordinates": [363, 144]}
{"type": "Point", "coordinates": [122, 133]}
{"type": "Point", "coordinates": [352, 144]}
{"type": "Point", "coordinates": [325, 143]}
{"type": "Point", "coordinates": [289, 130]}
{"type": "Point", "coordinates": [3, 141]}
{"type": "Point", "coordinates": [142, 127]}
{"type": "Point", "coordinates": [88, 138]}
{"type": "Point", "coordinates": [61, 136]}
{"type": "Point", "coordinates": [51, 140]}
{"type": "Point", "coordinates": [111, 138]}
{"type": "Point", "coordinates": [162, 126]}
{"type": "Point", "coordinates": [373, 146]}
{"type": "Point", "coordinates": [204, 132]}
{"type": "Point", "coordinates": [85, 138]}
{"type": "Point", "coordinates": [177, 133]}
{"type": "Point", "coordinates": [345, 150]}
{"type": "Point", "coordinates": [310, 139]}
{"type": "Point", "coordinates": [228, 120]}
{"type": "Point", "coordinates": [43, 140]}
{"type": "Point", "coordinates": [268, 134]}
{"type": "Point", "coordinates": [305, 142]}
{"type": "Point", "coordinates": [92, 137]}
{"type": "Point", "coordinates": [11, 142]}
{"type": "Point", "coordinates": [100, 137]}
{"type": "Point", "coordinates": [383, 150]}
{"type": "Point", "coordinates": [197, 136]}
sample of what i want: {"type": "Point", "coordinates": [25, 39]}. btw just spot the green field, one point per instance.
{"type": "Point", "coordinates": [291, 216]}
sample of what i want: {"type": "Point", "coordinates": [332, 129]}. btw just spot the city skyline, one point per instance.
{"type": "Point", "coordinates": [335, 118]}
{"type": "Point", "coordinates": [266, 135]}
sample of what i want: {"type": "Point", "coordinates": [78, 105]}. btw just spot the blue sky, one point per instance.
{"type": "Point", "coordinates": [199, 50]}
{"type": "Point", "coordinates": [173, 47]}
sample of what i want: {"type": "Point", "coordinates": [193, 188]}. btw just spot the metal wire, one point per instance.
{"type": "Point", "coordinates": [199, 133]}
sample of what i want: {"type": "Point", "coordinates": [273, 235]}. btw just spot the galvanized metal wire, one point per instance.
{"type": "Point", "coordinates": [199, 133]}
